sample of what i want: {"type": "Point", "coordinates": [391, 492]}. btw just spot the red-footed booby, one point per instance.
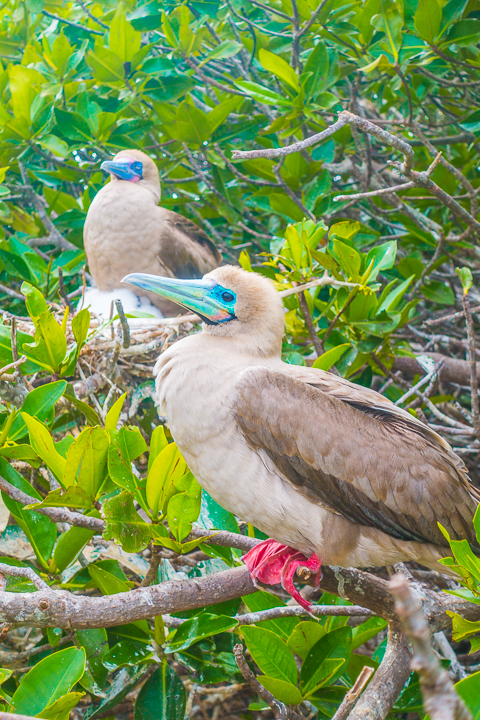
{"type": "Point", "coordinates": [126, 230]}
{"type": "Point", "coordinates": [333, 471]}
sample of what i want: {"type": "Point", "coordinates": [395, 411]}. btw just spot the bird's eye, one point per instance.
{"type": "Point", "coordinates": [137, 167]}
{"type": "Point", "coordinates": [227, 297]}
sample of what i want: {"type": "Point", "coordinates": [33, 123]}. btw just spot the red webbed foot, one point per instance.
{"type": "Point", "coordinates": [272, 563]}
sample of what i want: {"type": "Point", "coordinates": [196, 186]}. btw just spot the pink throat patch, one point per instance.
{"type": "Point", "coordinates": [272, 563]}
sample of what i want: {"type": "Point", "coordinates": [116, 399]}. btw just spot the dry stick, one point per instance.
{"type": "Point", "coordinates": [279, 709]}
{"type": "Point", "coordinates": [473, 364]}
{"type": "Point", "coordinates": [37, 202]}
{"type": "Point", "coordinates": [13, 716]}
{"type": "Point", "coordinates": [298, 611]}
{"type": "Point", "coordinates": [154, 563]}
{"type": "Point", "coordinates": [440, 700]}
{"type": "Point", "coordinates": [354, 693]}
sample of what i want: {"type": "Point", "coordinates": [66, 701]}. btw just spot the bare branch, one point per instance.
{"type": "Point", "coordinates": [123, 324]}
{"type": "Point", "coordinates": [297, 611]}
{"type": "Point", "coordinates": [289, 149]}
{"type": "Point", "coordinates": [13, 365]}
{"type": "Point", "coordinates": [375, 193]}
{"type": "Point", "coordinates": [439, 697]}
{"type": "Point", "coordinates": [54, 236]}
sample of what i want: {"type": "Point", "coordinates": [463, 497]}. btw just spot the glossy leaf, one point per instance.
{"type": "Point", "coordinates": [197, 628]}
{"type": "Point", "coordinates": [48, 681]}
{"type": "Point", "coordinates": [86, 461]}
{"type": "Point", "coordinates": [325, 659]}
{"type": "Point", "coordinates": [124, 525]}
{"type": "Point", "coordinates": [163, 697]}
{"type": "Point", "coordinates": [271, 654]}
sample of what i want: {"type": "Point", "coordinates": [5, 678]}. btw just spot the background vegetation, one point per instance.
{"type": "Point", "coordinates": [190, 83]}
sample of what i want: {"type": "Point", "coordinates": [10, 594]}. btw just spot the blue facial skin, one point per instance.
{"type": "Point", "coordinates": [124, 169]}
{"type": "Point", "coordinates": [214, 303]}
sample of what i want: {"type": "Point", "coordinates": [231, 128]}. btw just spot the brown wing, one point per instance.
{"type": "Point", "coordinates": [368, 464]}
{"type": "Point", "coordinates": [185, 248]}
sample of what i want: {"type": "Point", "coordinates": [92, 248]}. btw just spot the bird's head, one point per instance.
{"type": "Point", "coordinates": [231, 302]}
{"type": "Point", "coordinates": [134, 166]}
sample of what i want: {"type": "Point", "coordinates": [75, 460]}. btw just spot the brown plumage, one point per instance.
{"type": "Point", "coordinates": [315, 461]}
{"type": "Point", "coordinates": [126, 230]}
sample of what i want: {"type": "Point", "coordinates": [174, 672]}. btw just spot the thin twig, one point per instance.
{"type": "Point", "coordinates": [375, 193]}
{"type": "Point", "coordinates": [71, 23]}
{"type": "Point", "coordinates": [24, 572]}
{"type": "Point", "coordinates": [11, 292]}
{"type": "Point", "coordinates": [317, 343]}
{"type": "Point", "coordinates": [354, 693]}
{"type": "Point", "coordinates": [13, 365]}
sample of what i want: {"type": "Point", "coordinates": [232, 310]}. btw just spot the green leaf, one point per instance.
{"type": "Point", "coordinates": [271, 654]}
{"type": "Point", "coordinates": [126, 653]}
{"type": "Point", "coordinates": [466, 278]}
{"type": "Point", "coordinates": [166, 469]}
{"type": "Point", "coordinates": [348, 259]}
{"type": "Point", "coordinates": [316, 70]}
{"type": "Point", "coordinates": [329, 358]}
{"type": "Point", "coordinates": [123, 40]}
{"type": "Point", "coordinates": [283, 691]}
{"type": "Point", "coordinates": [438, 292]}
{"type": "Point", "coordinates": [95, 643]}
{"type": "Point", "coordinates": [197, 628]}
{"type": "Point", "coordinates": [427, 19]}
{"type": "Point", "coordinates": [465, 33]}
{"type": "Point", "coordinates": [123, 682]}
{"type": "Point", "coordinates": [294, 245]}
{"type": "Point", "coordinates": [279, 67]}
{"type": "Point", "coordinates": [463, 628]}
{"type": "Point", "coordinates": [304, 637]}
{"type": "Point", "coordinates": [261, 93]}
{"type": "Point", "coordinates": [25, 84]}
{"type": "Point", "coordinates": [80, 327]}
{"type": "Point", "coordinates": [106, 66]}
{"type": "Point", "coordinates": [119, 469]}
{"type": "Point", "coordinates": [383, 257]}
{"type": "Point", "coordinates": [325, 659]}
{"type": "Point", "coordinates": [72, 497]}
{"type": "Point", "coordinates": [226, 49]}
{"type": "Point", "coordinates": [86, 461]}
{"type": "Point", "coordinates": [113, 415]}
{"type": "Point", "coordinates": [182, 511]}
{"type": "Point", "coordinates": [468, 691]}
{"type": "Point", "coordinates": [39, 403]}
{"type": "Point", "coordinates": [107, 583]}
{"type": "Point", "coordinates": [50, 344]}
{"type": "Point", "coordinates": [34, 300]}
{"type": "Point", "coordinates": [48, 681]}
{"type": "Point", "coordinates": [73, 126]}
{"type": "Point", "coordinates": [60, 709]}
{"type": "Point", "coordinates": [395, 295]}
{"type": "Point", "coordinates": [158, 441]}
{"type": "Point", "coordinates": [367, 630]}
{"type": "Point", "coordinates": [124, 525]}
{"type": "Point", "coordinates": [162, 697]}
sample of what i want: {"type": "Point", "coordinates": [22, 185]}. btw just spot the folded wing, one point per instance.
{"type": "Point", "coordinates": [352, 451]}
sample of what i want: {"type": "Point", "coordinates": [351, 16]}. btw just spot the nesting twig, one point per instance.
{"type": "Point", "coordinates": [317, 343]}
{"type": "Point", "coordinates": [440, 699]}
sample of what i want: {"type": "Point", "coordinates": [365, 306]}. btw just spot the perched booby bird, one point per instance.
{"type": "Point", "coordinates": [126, 230]}
{"type": "Point", "coordinates": [333, 471]}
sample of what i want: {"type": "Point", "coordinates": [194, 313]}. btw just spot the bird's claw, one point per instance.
{"type": "Point", "coordinates": [272, 563]}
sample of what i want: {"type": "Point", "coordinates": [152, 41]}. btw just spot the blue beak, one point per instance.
{"type": "Point", "coordinates": [123, 169]}
{"type": "Point", "coordinates": [212, 302]}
